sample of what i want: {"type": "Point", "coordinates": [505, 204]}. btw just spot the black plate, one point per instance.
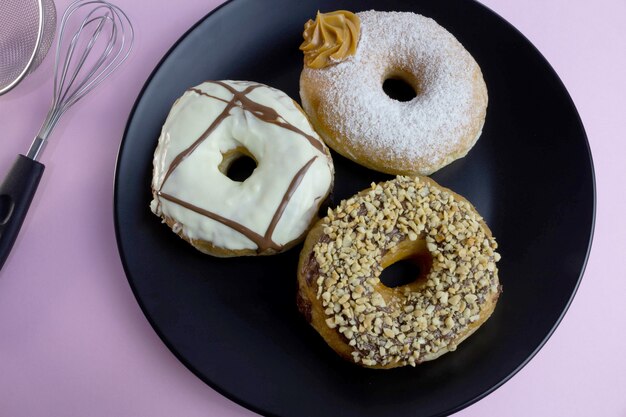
{"type": "Point", "coordinates": [234, 323]}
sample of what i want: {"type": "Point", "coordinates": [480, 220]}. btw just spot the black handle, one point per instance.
{"type": "Point", "coordinates": [16, 193]}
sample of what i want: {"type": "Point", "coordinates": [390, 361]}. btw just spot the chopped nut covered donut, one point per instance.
{"type": "Point", "coordinates": [340, 292]}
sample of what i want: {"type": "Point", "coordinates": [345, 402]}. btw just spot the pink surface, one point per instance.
{"type": "Point", "coordinates": [73, 341]}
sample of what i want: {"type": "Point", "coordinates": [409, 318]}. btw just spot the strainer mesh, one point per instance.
{"type": "Point", "coordinates": [19, 25]}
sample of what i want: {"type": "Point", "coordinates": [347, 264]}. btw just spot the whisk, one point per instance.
{"type": "Point", "coordinates": [84, 59]}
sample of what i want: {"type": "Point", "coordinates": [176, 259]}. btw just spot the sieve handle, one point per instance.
{"type": "Point", "coordinates": [16, 193]}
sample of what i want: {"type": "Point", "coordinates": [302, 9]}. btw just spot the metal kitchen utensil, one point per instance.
{"type": "Point", "coordinates": [102, 41]}
{"type": "Point", "coordinates": [26, 33]}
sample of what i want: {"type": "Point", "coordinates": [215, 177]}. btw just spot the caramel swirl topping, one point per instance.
{"type": "Point", "coordinates": [330, 39]}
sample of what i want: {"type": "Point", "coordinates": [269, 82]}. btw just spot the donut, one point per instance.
{"type": "Point", "coordinates": [347, 61]}
{"type": "Point", "coordinates": [408, 218]}
{"type": "Point", "coordinates": [211, 126]}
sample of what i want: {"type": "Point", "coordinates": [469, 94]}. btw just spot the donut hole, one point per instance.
{"type": "Point", "coordinates": [401, 273]}
{"type": "Point", "coordinates": [400, 86]}
{"type": "Point", "coordinates": [237, 164]}
{"type": "Point", "coordinates": [407, 264]}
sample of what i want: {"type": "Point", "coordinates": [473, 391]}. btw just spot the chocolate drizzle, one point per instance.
{"type": "Point", "coordinates": [295, 182]}
{"type": "Point", "coordinates": [268, 115]}
{"type": "Point", "coordinates": [219, 119]}
{"type": "Point", "coordinates": [261, 241]}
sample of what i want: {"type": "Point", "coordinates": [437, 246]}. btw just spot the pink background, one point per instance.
{"type": "Point", "coordinates": [73, 341]}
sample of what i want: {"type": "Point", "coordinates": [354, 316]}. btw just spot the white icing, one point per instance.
{"type": "Point", "coordinates": [280, 153]}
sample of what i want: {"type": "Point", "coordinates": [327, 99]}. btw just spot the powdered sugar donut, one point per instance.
{"type": "Point", "coordinates": [342, 91]}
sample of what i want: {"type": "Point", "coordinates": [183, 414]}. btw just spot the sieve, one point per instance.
{"type": "Point", "coordinates": [26, 34]}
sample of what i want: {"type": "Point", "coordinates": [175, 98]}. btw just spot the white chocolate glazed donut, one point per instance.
{"type": "Point", "coordinates": [349, 109]}
{"type": "Point", "coordinates": [269, 211]}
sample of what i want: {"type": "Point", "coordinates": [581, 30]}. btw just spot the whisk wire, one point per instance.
{"type": "Point", "coordinates": [93, 38]}
{"type": "Point", "coordinates": [80, 89]}
{"type": "Point", "coordinates": [118, 58]}
{"type": "Point", "coordinates": [81, 60]}
{"type": "Point", "coordinates": [72, 79]}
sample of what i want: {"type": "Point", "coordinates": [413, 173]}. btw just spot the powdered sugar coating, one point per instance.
{"type": "Point", "coordinates": [438, 126]}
